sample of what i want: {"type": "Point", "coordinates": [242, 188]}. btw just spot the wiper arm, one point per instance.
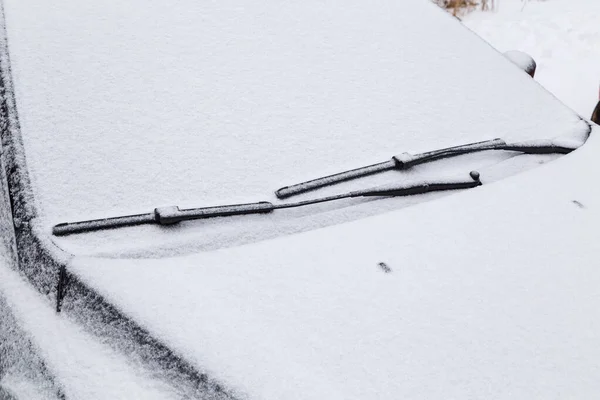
{"type": "Point", "coordinates": [173, 215]}
{"type": "Point", "coordinates": [406, 160]}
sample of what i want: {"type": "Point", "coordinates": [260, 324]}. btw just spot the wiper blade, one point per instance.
{"type": "Point", "coordinates": [172, 215]}
{"type": "Point", "coordinates": [406, 160]}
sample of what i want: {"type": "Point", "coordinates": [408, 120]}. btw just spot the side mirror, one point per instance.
{"type": "Point", "coordinates": [596, 114]}
{"type": "Point", "coordinates": [522, 60]}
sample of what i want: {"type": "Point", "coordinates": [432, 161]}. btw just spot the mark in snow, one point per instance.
{"type": "Point", "coordinates": [578, 204]}
{"type": "Point", "coordinates": [384, 267]}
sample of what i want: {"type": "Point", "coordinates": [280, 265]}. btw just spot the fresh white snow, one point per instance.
{"type": "Point", "coordinates": [490, 293]}
{"type": "Point", "coordinates": [129, 105]}
{"type": "Point", "coordinates": [22, 373]}
{"type": "Point", "coordinates": [20, 388]}
{"type": "Point", "coordinates": [43, 353]}
{"type": "Point", "coordinates": [563, 36]}
{"type": "Point", "coordinates": [493, 293]}
{"type": "Point", "coordinates": [521, 60]}
{"type": "Point", "coordinates": [84, 367]}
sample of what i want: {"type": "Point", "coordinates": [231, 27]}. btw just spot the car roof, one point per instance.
{"type": "Point", "coordinates": [129, 105]}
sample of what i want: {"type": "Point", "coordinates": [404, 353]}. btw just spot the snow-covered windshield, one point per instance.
{"type": "Point", "coordinates": [173, 214]}
{"type": "Point", "coordinates": [128, 105]}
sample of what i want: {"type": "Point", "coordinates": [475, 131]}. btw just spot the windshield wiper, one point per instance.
{"type": "Point", "coordinates": [406, 160]}
{"type": "Point", "coordinates": [172, 215]}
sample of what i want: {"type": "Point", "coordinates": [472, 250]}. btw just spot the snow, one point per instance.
{"type": "Point", "coordinates": [22, 373]}
{"type": "Point", "coordinates": [488, 293]}
{"type": "Point", "coordinates": [86, 368]}
{"type": "Point", "coordinates": [229, 232]}
{"type": "Point", "coordinates": [561, 35]}
{"type": "Point", "coordinates": [522, 60]}
{"type": "Point", "coordinates": [44, 355]}
{"type": "Point", "coordinates": [492, 293]}
{"type": "Point", "coordinates": [22, 389]}
{"type": "Point", "coordinates": [128, 105]}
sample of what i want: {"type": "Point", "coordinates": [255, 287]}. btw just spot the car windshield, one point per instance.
{"type": "Point", "coordinates": [126, 106]}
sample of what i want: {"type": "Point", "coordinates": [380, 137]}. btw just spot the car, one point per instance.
{"type": "Point", "coordinates": [340, 200]}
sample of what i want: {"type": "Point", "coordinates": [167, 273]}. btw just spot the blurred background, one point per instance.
{"type": "Point", "coordinates": [563, 36]}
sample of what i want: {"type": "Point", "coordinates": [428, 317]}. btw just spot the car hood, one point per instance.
{"type": "Point", "coordinates": [488, 293]}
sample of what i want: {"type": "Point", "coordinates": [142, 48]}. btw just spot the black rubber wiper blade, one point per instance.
{"type": "Point", "coordinates": [539, 147]}
{"type": "Point", "coordinates": [403, 161]}
{"type": "Point", "coordinates": [406, 160]}
{"type": "Point", "coordinates": [100, 224]}
{"type": "Point", "coordinates": [172, 215]}
{"type": "Point", "coordinates": [161, 216]}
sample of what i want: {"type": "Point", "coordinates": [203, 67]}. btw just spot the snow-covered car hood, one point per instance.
{"type": "Point", "coordinates": [487, 293]}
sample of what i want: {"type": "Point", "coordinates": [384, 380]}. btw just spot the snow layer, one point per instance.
{"type": "Point", "coordinates": [492, 293]}
{"type": "Point", "coordinates": [522, 60]}
{"type": "Point", "coordinates": [563, 36]}
{"type": "Point", "coordinates": [22, 371]}
{"type": "Point", "coordinates": [85, 368]}
{"type": "Point", "coordinates": [14, 388]}
{"type": "Point", "coordinates": [211, 234]}
{"type": "Point", "coordinates": [129, 105]}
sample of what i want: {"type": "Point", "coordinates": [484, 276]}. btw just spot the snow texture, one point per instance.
{"type": "Point", "coordinates": [23, 374]}
{"type": "Point", "coordinates": [562, 36]}
{"type": "Point", "coordinates": [130, 105]}
{"type": "Point", "coordinates": [44, 356]}
{"type": "Point", "coordinates": [150, 241]}
{"type": "Point", "coordinates": [492, 294]}
{"type": "Point", "coordinates": [86, 368]}
{"type": "Point", "coordinates": [521, 60]}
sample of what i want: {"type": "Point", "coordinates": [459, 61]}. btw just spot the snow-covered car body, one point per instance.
{"type": "Point", "coordinates": [131, 105]}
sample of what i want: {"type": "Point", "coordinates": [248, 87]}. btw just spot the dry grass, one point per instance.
{"type": "Point", "coordinates": [458, 7]}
